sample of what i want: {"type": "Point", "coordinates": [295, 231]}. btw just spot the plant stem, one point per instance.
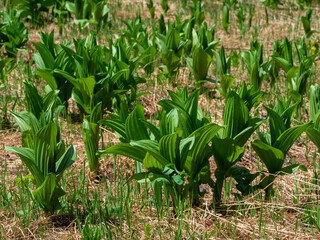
{"type": "Point", "coordinates": [269, 192]}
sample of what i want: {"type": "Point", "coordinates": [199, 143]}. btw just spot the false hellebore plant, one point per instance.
{"type": "Point", "coordinates": [47, 161]}
{"type": "Point", "coordinates": [273, 147]}
{"type": "Point", "coordinates": [182, 164]}
{"type": "Point", "coordinates": [314, 131]}
{"type": "Point", "coordinates": [175, 154]}
{"type": "Point", "coordinates": [227, 145]}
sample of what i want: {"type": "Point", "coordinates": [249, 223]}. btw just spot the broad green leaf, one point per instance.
{"type": "Point", "coordinates": [235, 115]}
{"type": "Point", "coordinates": [33, 99]}
{"type": "Point", "coordinates": [202, 137]}
{"type": "Point", "coordinates": [48, 194]}
{"type": "Point", "coordinates": [152, 148]}
{"type": "Point", "coordinates": [191, 106]}
{"type": "Point", "coordinates": [152, 164]}
{"type": "Point", "coordinates": [286, 65]}
{"type": "Point", "coordinates": [173, 39]}
{"type": "Point", "coordinates": [245, 134]}
{"type": "Point", "coordinates": [170, 59]}
{"type": "Point", "coordinates": [27, 157]}
{"type": "Point", "coordinates": [272, 157]}
{"type": "Point", "coordinates": [314, 135]}
{"type": "Point", "coordinates": [135, 128]}
{"type": "Point", "coordinates": [96, 113]}
{"type": "Point", "coordinates": [288, 137]}
{"type": "Point", "coordinates": [91, 141]}
{"type": "Point", "coordinates": [226, 153]}
{"type": "Point", "coordinates": [169, 148]}
{"type": "Point", "coordinates": [116, 125]}
{"type": "Point", "coordinates": [293, 168]}
{"type": "Point", "coordinates": [45, 142]}
{"type": "Point", "coordinates": [86, 87]}
{"type": "Point", "coordinates": [47, 75]}
{"type": "Point", "coordinates": [126, 149]}
{"type": "Point", "coordinates": [46, 56]}
{"type": "Point", "coordinates": [154, 129]}
{"type": "Point", "coordinates": [314, 101]}
{"type": "Point", "coordinates": [276, 125]}
{"type": "Point", "coordinates": [66, 160]}
{"type": "Point", "coordinates": [201, 63]}
{"type": "Point", "coordinates": [22, 119]}
{"type": "Point", "coordinates": [226, 82]}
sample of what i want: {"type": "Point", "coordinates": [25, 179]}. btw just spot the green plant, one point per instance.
{"type": "Point", "coordinates": [199, 64]}
{"type": "Point", "coordinates": [223, 62]}
{"type": "Point", "coordinates": [204, 37]}
{"type": "Point", "coordinates": [181, 112]}
{"type": "Point", "coordinates": [274, 146]}
{"type": "Point", "coordinates": [89, 231]}
{"type": "Point", "coordinates": [148, 52]}
{"type": "Point", "coordinates": [47, 162]}
{"type": "Point", "coordinates": [5, 99]}
{"type": "Point", "coordinates": [297, 76]}
{"type": "Point", "coordinates": [13, 33]}
{"type": "Point", "coordinates": [32, 9]}
{"type": "Point", "coordinates": [306, 22]}
{"type": "Point", "coordinates": [165, 5]}
{"type": "Point", "coordinates": [241, 17]}
{"type": "Point", "coordinates": [61, 11]}
{"type": "Point", "coordinates": [271, 3]}
{"type": "Point", "coordinates": [40, 112]}
{"type": "Point", "coordinates": [225, 17]}
{"type": "Point", "coordinates": [172, 159]}
{"type": "Point", "coordinates": [90, 74]}
{"type": "Point", "coordinates": [128, 127]}
{"type": "Point", "coordinates": [314, 98]}
{"type": "Point", "coordinates": [227, 145]}
{"type": "Point", "coordinates": [90, 135]}
{"type": "Point", "coordinates": [171, 47]}
{"type": "Point", "coordinates": [6, 67]}
{"type": "Point", "coordinates": [314, 131]}
{"type": "Point", "coordinates": [196, 12]}
{"type": "Point", "coordinates": [224, 70]}
{"type": "Point", "coordinates": [252, 9]}
{"type": "Point", "coordinates": [151, 8]}
{"type": "Point", "coordinates": [250, 97]}
{"type": "Point", "coordinates": [87, 12]}
{"type": "Point", "coordinates": [256, 67]}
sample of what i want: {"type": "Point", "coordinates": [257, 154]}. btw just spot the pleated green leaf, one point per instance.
{"type": "Point", "coordinates": [276, 125]}
{"type": "Point", "coordinates": [314, 135]}
{"type": "Point", "coordinates": [33, 99]}
{"type": "Point", "coordinates": [46, 59]}
{"type": "Point", "coordinates": [226, 153]}
{"type": "Point", "coordinates": [152, 148]}
{"type": "Point", "coordinates": [169, 148]}
{"type": "Point", "coordinates": [202, 137]}
{"type": "Point", "coordinates": [135, 128]}
{"type": "Point", "coordinates": [66, 160]}
{"type": "Point", "coordinates": [116, 125]}
{"type": "Point", "coordinates": [314, 101]}
{"type": "Point", "coordinates": [48, 194]}
{"type": "Point", "coordinates": [126, 149]}
{"type": "Point", "coordinates": [272, 157]}
{"type": "Point", "coordinates": [45, 142]}
{"type": "Point", "coordinates": [288, 137]}
{"type": "Point", "coordinates": [27, 157]}
{"type": "Point", "coordinates": [91, 141]}
{"type": "Point", "coordinates": [293, 168]}
{"type": "Point", "coordinates": [235, 115]}
{"type": "Point", "coordinates": [201, 63]}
